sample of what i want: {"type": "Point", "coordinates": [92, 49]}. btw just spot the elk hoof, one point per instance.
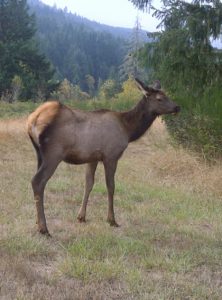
{"type": "Point", "coordinates": [45, 232]}
{"type": "Point", "coordinates": [81, 219]}
{"type": "Point", "coordinates": [113, 223]}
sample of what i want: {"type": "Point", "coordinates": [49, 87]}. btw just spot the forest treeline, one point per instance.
{"type": "Point", "coordinates": [42, 47]}
{"type": "Point", "coordinates": [84, 56]}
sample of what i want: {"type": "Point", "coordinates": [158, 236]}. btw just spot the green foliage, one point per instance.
{"type": "Point", "coordinates": [68, 91]}
{"type": "Point", "coordinates": [114, 99]}
{"type": "Point", "coordinates": [141, 4]}
{"type": "Point", "coordinates": [129, 94]}
{"type": "Point", "coordinates": [199, 124]}
{"type": "Point", "coordinates": [108, 89]}
{"type": "Point", "coordinates": [17, 86]}
{"type": "Point", "coordinates": [184, 50]}
{"type": "Point", "coordinates": [73, 96]}
{"type": "Point", "coordinates": [90, 81]}
{"type": "Point", "coordinates": [175, 61]}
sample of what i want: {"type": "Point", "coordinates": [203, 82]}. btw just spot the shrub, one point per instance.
{"type": "Point", "coordinates": [199, 124]}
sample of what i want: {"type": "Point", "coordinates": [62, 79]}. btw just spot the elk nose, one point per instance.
{"type": "Point", "coordinates": [177, 109]}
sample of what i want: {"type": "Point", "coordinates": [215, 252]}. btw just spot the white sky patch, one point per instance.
{"type": "Point", "coordinates": [119, 13]}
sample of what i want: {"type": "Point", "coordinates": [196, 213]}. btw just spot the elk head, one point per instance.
{"type": "Point", "coordinates": [157, 101]}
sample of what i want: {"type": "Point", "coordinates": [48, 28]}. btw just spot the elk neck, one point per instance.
{"type": "Point", "coordinates": [137, 120]}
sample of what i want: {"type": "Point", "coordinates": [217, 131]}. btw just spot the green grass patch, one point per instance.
{"type": "Point", "coordinates": [16, 109]}
{"type": "Point", "coordinates": [135, 260]}
{"type": "Point", "coordinates": [25, 246]}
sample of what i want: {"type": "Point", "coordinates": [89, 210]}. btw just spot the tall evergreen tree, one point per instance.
{"type": "Point", "coordinates": [183, 52]}
{"type": "Point", "coordinates": [131, 66]}
{"type": "Point", "coordinates": [19, 55]}
{"type": "Point", "coordinates": [188, 65]}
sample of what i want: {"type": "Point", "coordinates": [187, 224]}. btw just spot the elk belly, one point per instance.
{"type": "Point", "coordinates": [74, 157]}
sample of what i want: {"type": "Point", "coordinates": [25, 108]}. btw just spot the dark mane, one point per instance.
{"type": "Point", "coordinates": [138, 120]}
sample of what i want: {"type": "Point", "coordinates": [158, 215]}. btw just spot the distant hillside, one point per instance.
{"type": "Point", "coordinates": [78, 51]}
{"type": "Point", "coordinates": [121, 32]}
{"type": "Point", "coordinates": [124, 33]}
{"type": "Point", "coordinates": [85, 52]}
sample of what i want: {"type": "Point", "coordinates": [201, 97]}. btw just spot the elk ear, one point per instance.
{"type": "Point", "coordinates": [156, 85]}
{"type": "Point", "coordinates": [141, 86]}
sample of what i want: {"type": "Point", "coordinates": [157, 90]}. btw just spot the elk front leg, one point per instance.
{"type": "Point", "coordinates": [89, 182]}
{"type": "Point", "coordinates": [110, 169]}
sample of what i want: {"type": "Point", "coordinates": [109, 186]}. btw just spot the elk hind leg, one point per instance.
{"type": "Point", "coordinates": [39, 182]}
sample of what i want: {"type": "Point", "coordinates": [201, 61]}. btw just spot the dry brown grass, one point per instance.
{"type": "Point", "coordinates": [174, 166]}
{"type": "Point", "coordinates": [169, 244]}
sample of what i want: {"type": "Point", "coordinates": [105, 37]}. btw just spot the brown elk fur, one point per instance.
{"type": "Point", "coordinates": [59, 133]}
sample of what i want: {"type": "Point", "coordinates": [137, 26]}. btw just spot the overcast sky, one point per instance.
{"type": "Point", "coordinates": [111, 12]}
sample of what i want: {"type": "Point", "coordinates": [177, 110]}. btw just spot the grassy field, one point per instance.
{"type": "Point", "coordinates": [168, 203]}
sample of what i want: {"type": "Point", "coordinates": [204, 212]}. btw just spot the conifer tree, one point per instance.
{"type": "Point", "coordinates": [131, 66]}
{"type": "Point", "coordinates": [19, 55]}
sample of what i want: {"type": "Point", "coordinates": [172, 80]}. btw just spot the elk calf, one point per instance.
{"type": "Point", "coordinates": [59, 133]}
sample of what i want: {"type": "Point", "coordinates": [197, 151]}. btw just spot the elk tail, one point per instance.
{"type": "Point", "coordinates": [38, 152]}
